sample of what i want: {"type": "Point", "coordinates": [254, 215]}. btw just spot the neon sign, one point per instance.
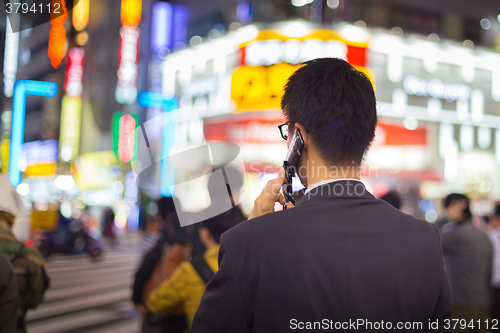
{"type": "Point", "coordinates": [74, 72]}
{"type": "Point", "coordinates": [149, 99]}
{"type": "Point", "coordinates": [22, 89]}
{"type": "Point", "coordinates": [126, 88]}
{"type": "Point", "coordinates": [437, 89]}
{"type": "Point", "coordinates": [11, 53]}
{"type": "Point", "coordinates": [161, 26]}
{"type": "Point", "coordinates": [125, 136]}
{"type": "Point", "coordinates": [57, 36]}
{"type": "Point", "coordinates": [126, 148]}
{"type": "Point", "coordinates": [292, 51]}
{"type": "Point", "coordinates": [131, 13]}
{"type": "Point", "coordinates": [71, 113]}
{"type": "Point", "coordinates": [81, 15]}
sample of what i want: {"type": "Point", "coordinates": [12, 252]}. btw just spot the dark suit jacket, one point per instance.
{"type": "Point", "coordinates": [340, 255]}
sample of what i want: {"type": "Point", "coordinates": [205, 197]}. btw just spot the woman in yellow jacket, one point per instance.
{"type": "Point", "coordinates": [183, 290]}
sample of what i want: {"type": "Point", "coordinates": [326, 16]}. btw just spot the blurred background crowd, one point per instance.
{"type": "Point", "coordinates": [139, 80]}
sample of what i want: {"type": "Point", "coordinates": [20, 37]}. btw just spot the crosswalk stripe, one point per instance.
{"type": "Point", "coordinates": [83, 318]}
{"type": "Point", "coordinates": [62, 307]}
{"type": "Point", "coordinates": [88, 296]}
{"type": "Point", "coordinates": [129, 326]}
{"type": "Point", "coordinates": [60, 294]}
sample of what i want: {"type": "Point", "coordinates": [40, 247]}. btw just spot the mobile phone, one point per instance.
{"type": "Point", "coordinates": [290, 165]}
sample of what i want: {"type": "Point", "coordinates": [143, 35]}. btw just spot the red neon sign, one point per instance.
{"type": "Point", "coordinates": [126, 140]}
{"type": "Point", "coordinates": [74, 72]}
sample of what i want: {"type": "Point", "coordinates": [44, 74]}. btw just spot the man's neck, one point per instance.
{"type": "Point", "coordinates": [324, 173]}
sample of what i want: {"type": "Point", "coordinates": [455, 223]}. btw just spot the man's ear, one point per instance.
{"type": "Point", "coordinates": [303, 132]}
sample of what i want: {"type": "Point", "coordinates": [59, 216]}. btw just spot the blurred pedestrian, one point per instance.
{"type": "Point", "coordinates": [108, 226]}
{"type": "Point", "coordinates": [9, 297]}
{"type": "Point", "coordinates": [494, 227]}
{"type": "Point", "coordinates": [157, 265]}
{"type": "Point", "coordinates": [392, 198]}
{"type": "Point", "coordinates": [27, 262]}
{"type": "Point", "coordinates": [221, 195]}
{"type": "Point", "coordinates": [185, 287]}
{"type": "Point", "coordinates": [340, 254]}
{"type": "Point", "coordinates": [468, 255]}
{"type": "Point", "coordinates": [151, 236]}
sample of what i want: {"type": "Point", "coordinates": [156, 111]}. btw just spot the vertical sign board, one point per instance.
{"type": "Point", "coordinates": [22, 89]}
{"type": "Point", "coordinates": [57, 35]}
{"type": "Point", "coordinates": [149, 99]}
{"type": "Point", "coordinates": [130, 13]}
{"type": "Point", "coordinates": [125, 146]}
{"type": "Point", "coordinates": [73, 83]}
{"type": "Point", "coordinates": [161, 26]}
{"type": "Point", "coordinates": [69, 137]}
{"type": "Point", "coordinates": [126, 87]}
{"type": "Point", "coordinates": [179, 26]}
{"type": "Point", "coordinates": [11, 53]}
{"type": "Point", "coordinates": [81, 14]}
{"type": "Point", "coordinates": [71, 108]}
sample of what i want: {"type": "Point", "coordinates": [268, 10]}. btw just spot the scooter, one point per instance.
{"type": "Point", "coordinates": [75, 241]}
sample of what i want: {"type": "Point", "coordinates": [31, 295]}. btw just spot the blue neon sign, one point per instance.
{"type": "Point", "coordinates": [161, 26]}
{"type": "Point", "coordinates": [22, 89]}
{"type": "Point", "coordinates": [148, 99]}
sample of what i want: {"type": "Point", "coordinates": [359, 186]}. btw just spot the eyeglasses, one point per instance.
{"type": "Point", "coordinates": [284, 129]}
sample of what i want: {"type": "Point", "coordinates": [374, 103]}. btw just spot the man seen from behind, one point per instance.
{"type": "Point", "coordinates": [340, 255]}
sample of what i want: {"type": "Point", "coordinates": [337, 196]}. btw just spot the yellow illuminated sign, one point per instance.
{"type": "Point", "coordinates": [259, 87]}
{"type": "Point", "coordinates": [71, 114]}
{"type": "Point", "coordinates": [81, 15]}
{"type": "Point", "coordinates": [131, 13]}
{"type": "Point", "coordinates": [45, 169]}
{"type": "Point", "coordinates": [44, 220]}
{"type": "Point", "coordinates": [4, 154]}
{"type": "Point", "coordinates": [94, 170]}
{"type": "Point", "coordinates": [256, 88]}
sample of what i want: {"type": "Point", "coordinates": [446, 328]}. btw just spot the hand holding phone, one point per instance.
{"type": "Point", "coordinates": [264, 204]}
{"type": "Point", "coordinates": [290, 165]}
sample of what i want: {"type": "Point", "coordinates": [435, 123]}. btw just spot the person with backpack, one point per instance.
{"type": "Point", "coordinates": [9, 297]}
{"type": "Point", "coordinates": [28, 263]}
{"type": "Point", "coordinates": [184, 288]}
{"type": "Point", "coordinates": [157, 265]}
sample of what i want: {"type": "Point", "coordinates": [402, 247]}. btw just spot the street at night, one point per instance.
{"type": "Point", "coordinates": [249, 166]}
{"type": "Point", "coordinates": [89, 295]}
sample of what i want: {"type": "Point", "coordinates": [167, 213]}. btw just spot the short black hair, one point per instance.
{"type": "Point", "coordinates": [392, 198]}
{"type": "Point", "coordinates": [457, 196]}
{"type": "Point", "coordinates": [336, 105]}
{"type": "Point", "coordinates": [166, 208]}
{"type": "Point", "coordinates": [221, 223]}
{"type": "Point", "coordinates": [497, 210]}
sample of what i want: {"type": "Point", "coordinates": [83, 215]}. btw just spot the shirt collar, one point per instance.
{"type": "Point", "coordinates": [328, 181]}
{"type": "Point", "coordinates": [336, 188]}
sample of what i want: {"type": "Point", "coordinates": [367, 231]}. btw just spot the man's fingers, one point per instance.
{"type": "Point", "coordinates": [273, 186]}
{"type": "Point", "coordinates": [264, 203]}
{"type": "Point", "coordinates": [281, 199]}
